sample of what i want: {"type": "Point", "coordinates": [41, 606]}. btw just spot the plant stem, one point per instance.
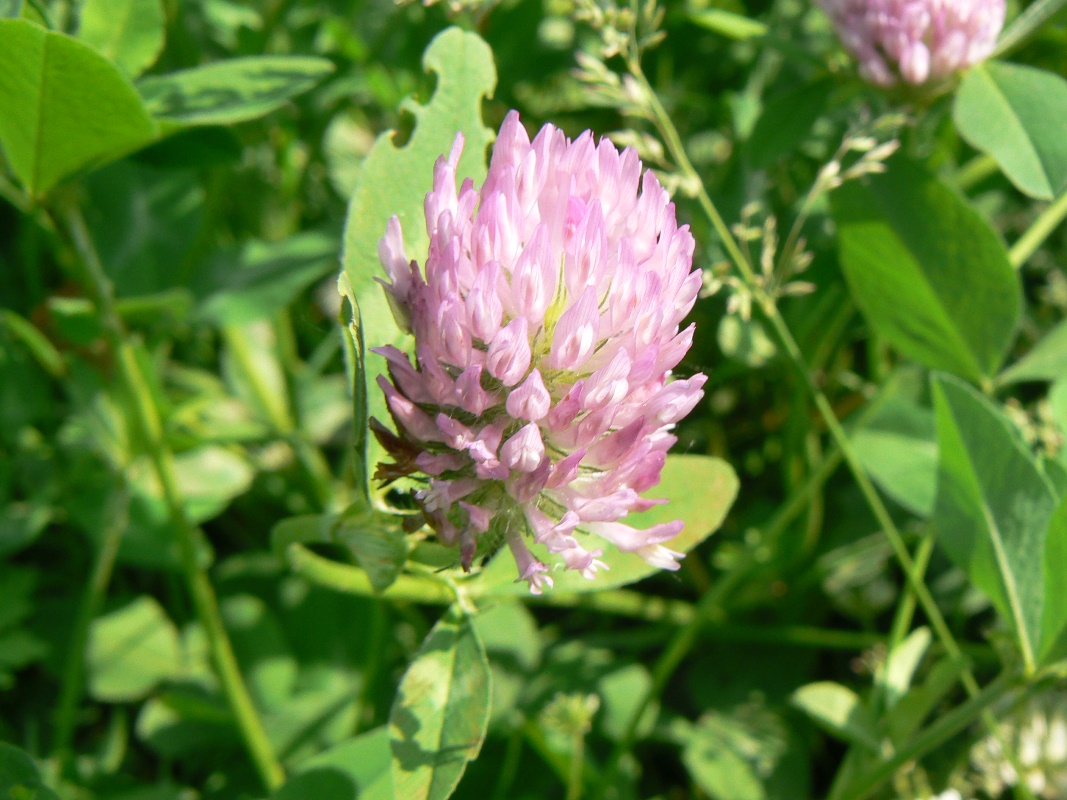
{"type": "Point", "coordinates": [1040, 230]}
{"type": "Point", "coordinates": [70, 691]}
{"type": "Point", "coordinates": [576, 771]}
{"type": "Point", "coordinates": [770, 310]}
{"type": "Point", "coordinates": [199, 586]}
{"type": "Point", "coordinates": [945, 727]}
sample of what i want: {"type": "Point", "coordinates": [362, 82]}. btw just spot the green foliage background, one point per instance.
{"type": "Point", "coordinates": [202, 596]}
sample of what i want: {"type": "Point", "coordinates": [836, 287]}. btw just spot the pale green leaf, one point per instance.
{"type": "Point", "coordinates": [1016, 114]}
{"type": "Point", "coordinates": [441, 711]}
{"type": "Point", "coordinates": [130, 651]}
{"type": "Point", "coordinates": [230, 91]}
{"type": "Point", "coordinates": [729, 24]}
{"type": "Point", "coordinates": [901, 664]}
{"type": "Point", "coordinates": [699, 491]}
{"type": "Point", "coordinates": [394, 180]}
{"type": "Point", "coordinates": [839, 711]}
{"type": "Point", "coordinates": [355, 769]}
{"type": "Point", "coordinates": [953, 297]}
{"type": "Point", "coordinates": [898, 448]}
{"type": "Point", "coordinates": [128, 32]}
{"type": "Point", "coordinates": [66, 106]}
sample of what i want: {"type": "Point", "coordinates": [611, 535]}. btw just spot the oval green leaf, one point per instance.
{"type": "Point", "coordinates": [1016, 114]}
{"type": "Point", "coordinates": [1047, 361]}
{"type": "Point", "coordinates": [993, 508]}
{"type": "Point", "coordinates": [699, 491]}
{"type": "Point", "coordinates": [128, 32]}
{"type": "Point", "coordinates": [928, 272]}
{"type": "Point", "coordinates": [66, 106]}
{"type": "Point", "coordinates": [441, 711]}
{"type": "Point", "coordinates": [230, 91]}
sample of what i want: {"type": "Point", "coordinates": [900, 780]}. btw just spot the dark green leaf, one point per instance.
{"type": "Point", "coordinates": [786, 120]}
{"type": "Point", "coordinates": [993, 508]}
{"type": "Point", "coordinates": [927, 271]}
{"type": "Point", "coordinates": [377, 542]}
{"type": "Point", "coordinates": [1015, 114]}
{"type": "Point", "coordinates": [264, 277]}
{"type": "Point", "coordinates": [128, 32]}
{"type": "Point", "coordinates": [19, 778]}
{"type": "Point", "coordinates": [130, 651]}
{"type": "Point", "coordinates": [394, 180]}
{"type": "Point", "coordinates": [76, 108]}
{"type": "Point", "coordinates": [441, 711]}
{"type": "Point", "coordinates": [231, 91]}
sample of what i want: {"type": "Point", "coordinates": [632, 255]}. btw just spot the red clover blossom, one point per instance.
{"type": "Point", "coordinates": [919, 41]}
{"type": "Point", "coordinates": [547, 323]}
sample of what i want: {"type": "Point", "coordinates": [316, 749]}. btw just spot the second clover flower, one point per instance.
{"type": "Point", "coordinates": [917, 41]}
{"type": "Point", "coordinates": [547, 322]}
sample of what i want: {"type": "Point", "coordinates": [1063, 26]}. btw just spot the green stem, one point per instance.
{"type": "Point", "coordinates": [1040, 230]}
{"type": "Point", "coordinates": [576, 771]}
{"type": "Point", "coordinates": [975, 171]}
{"type": "Point", "coordinates": [947, 726]}
{"type": "Point", "coordinates": [70, 690]}
{"type": "Point", "coordinates": [199, 586]}
{"type": "Point", "coordinates": [792, 349]}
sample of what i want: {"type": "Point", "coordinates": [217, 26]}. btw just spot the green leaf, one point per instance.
{"type": "Point", "coordinates": [230, 91]}
{"type": "Point", "coordinates": [993, 508]}
{"type": "Point", "coordinates": [901, 664]}
{"type": "Point", "coordinates": [1054, 612]}
{"type": "Point", "coordinates": [19, 778]}
{"type": "Point", "coordinates": [728, 24]}
{"type": "Point", "coordinates": [264, 277]}
{"type": "Point", "coordinates": [1047, 361]}
{"type": "Point", "coordinates": [1015, 114]}
{"type": "Point", "coordinates": [786, 120]}
{"type": "Point", "coordinates": [355, 345]}
{"type": "Point", "coordinates": [394, 180]}
{"type": "Point", "coordinates": [441, 711]}
{"type": "Point", "coordinates": [699, 491]}
{"type": "Point", "coordinates": [910, 710]}
{"type": "Point", "coordinates": [130, 651]}
{"type": "Point", "coordinates": [737, 756]}
{"type": "Point", "coordinates": [75, 109]}
{"type": "Point", "coordinates": [10, 8]}
{"type": "Point", "coordinates": [377, 542]}
{"type": "Point", "coordinates": [955, 299]}
{"type": "Point", "coordinates": [127, 32]}
{"type": "Point", "coordinates": [898, 449]}
{"type": "Point", "coordinates": [356, 769]}
{"type": "Point", "coordinates": [839, 711]}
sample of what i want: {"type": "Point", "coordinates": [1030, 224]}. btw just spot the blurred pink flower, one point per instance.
{"type": "Point", "coordinates": [918, 41]}
{"type": "Point", "coordinates": [547, 323]}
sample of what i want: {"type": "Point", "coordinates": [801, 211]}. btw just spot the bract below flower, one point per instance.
{"type": "Point", "coordinates": [547, 320]}
{"type": "Point", "coordinates": [917, 41]}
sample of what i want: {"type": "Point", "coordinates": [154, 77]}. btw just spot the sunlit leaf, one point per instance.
{"type": "Point", "coordinates": [394, 180]}
{"type": "Point", "coordinates": [1015, 114]}
{"type": "Point", "coordinates": [699, 490]}
{"type": "Point", "coordinates": [74, 108]}
{"type": "Point", "coordinates": [441, 711]}
{"type": "Point", "coordinates": [839, 711]}
{"type": "Point", "coordinates": [128, 32]}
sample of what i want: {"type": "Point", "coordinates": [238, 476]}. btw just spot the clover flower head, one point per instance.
{"type": "Point", "coordinates": [547, 322]}
{"type": "Point", "coordinates": [917, 41]}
